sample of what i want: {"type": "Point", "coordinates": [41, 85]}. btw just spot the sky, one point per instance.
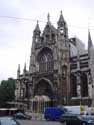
{"type": "Point", "coordinates": [16, 33]}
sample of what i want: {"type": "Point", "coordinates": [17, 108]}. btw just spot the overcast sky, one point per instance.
{"type": "Point", "coordinates": [16, 34]}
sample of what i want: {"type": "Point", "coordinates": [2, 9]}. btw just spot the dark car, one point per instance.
{"type": "Point", "coordinates": [8, 121]}
{"type": "Point", "coordinates": [21, 115]}
{"type": "Point", "coordinates": [74, 119]}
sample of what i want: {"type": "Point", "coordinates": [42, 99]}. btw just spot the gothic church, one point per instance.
{"type": "Point", "coordinates": [61, 70]}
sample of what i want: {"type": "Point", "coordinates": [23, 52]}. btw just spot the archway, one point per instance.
{"type": "Point", "coordinates": [43, 95]}
{"type": "Point", "coordinates": [44, 87]}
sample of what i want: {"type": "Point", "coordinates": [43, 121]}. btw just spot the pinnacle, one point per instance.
{"type": "Point", "coordinates": [37, 27]}
{"type": "Point", "coordinates": [61, 19]}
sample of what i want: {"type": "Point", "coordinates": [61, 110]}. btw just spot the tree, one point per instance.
{"type": "Point", "coordinates": [7, 91]}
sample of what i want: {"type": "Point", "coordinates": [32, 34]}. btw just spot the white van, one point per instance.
{"type": "Point", "coordinates": [75, 109]}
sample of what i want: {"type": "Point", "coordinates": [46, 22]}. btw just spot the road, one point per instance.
{"type": "Point", "coordinates": [32, 122]}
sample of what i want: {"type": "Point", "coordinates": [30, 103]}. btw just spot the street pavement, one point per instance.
{"type": "Point", "coordinates": [37, 122]}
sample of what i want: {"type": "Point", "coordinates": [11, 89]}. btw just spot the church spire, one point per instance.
{"type": "Point", "coordinates": [48, 19]}
{"type": "Point", "coordinates": [89, 40]}
{"type": "Point", "coordinates": [61, 19]}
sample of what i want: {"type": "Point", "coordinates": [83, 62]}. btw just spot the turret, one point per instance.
{"type": "Point", "coordinates": [36, 33]}
{"type": "Point", "coordinates": [62, 25]}
{"type": "Point", "coordinates": [61, 21]}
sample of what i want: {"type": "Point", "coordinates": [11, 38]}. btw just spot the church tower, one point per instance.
{"type": "Point", "coordinates": [63, 54]}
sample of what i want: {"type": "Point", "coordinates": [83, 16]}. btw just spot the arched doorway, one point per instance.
{"type": "Point", "coordinates": [43, 95]}
{"type": "Point", "coordinates": [44, 87]}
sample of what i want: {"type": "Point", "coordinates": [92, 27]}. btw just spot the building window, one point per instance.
{"type": "Point", "coordinates": [49, 62]}
{"type": "Point", "coordinates": [84, 85]}
{"type": "Point", "coordinates": [73, 86]}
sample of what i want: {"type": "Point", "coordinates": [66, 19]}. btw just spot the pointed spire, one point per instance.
{"type": "Point", "coordinates": [48, 20]}
{"type": "Point", "coordinates": [37, 29]}
{"type": "Point", "coordinates": [61, 22]}
{"type": "Point", "coordinates": [61, 18]}
{"type": "Point", "coordinates": [89, 40]}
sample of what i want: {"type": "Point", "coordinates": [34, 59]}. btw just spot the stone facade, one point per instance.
{"type": "Point", "coordinates": [60, 68]}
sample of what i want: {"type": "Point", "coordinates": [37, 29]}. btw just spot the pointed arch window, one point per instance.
{"type": "Point", "coordinates": [49, 61]}
{"type": "Point", "coordinates": [45, 61]}
{"type": "Point", "coordinates": [42, 63]}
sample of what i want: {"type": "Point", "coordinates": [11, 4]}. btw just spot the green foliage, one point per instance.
{"type": "Point", "coordinates": [7, 91]}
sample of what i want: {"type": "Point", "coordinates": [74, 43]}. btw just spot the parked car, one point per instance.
{"type": "Point", "coordinates": [53, 113]}
{"type": "Point", "coordinates": [75, 119]}
{"type": "Point", "coordinates": [21, 115]}
{"type": "Point", "coordinates": [8, 121]}
{"type": "Point", "coordinates": [88, 117]}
